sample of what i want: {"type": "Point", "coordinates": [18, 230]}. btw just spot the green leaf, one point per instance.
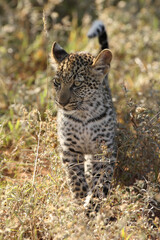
{"type": "Point", "coordinates": [10, 126]}
{"type": "Point", "coordinates": [17, 124]}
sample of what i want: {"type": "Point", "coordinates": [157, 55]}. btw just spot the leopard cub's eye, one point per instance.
{"type": "Point", "coordinates": [56, 81]}
{"type": "Point", "coordinates": [77, 83]}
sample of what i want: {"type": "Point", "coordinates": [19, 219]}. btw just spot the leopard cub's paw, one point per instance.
{"type": "Point", "coordinates": [92, 205]}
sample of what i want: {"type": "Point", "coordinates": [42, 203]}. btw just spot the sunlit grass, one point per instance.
{"type": "Point", "coordinates": [35, 199]}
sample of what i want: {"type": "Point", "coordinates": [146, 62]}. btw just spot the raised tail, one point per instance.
{"type": "Point", "coordinates": [98, 30]}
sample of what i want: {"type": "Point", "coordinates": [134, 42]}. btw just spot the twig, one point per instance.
{"type": "Point", "coordinates": [37, 152]}
{"type": "Point", "coordinates": [46, 38]}
{"type": "Point", "coordinates": [45, 24]}
{"type": "Point", "coordinates": [156, 115]}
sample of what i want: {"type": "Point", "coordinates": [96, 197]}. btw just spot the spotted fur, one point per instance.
{"type": "Point", "coordinates": [86, 121]}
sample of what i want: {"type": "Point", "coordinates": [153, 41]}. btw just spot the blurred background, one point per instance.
{"type": "Point", "coordinates": [28, 28]}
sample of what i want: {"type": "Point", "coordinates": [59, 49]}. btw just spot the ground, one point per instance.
{"type": "Point", "coordinates": [35, 199]}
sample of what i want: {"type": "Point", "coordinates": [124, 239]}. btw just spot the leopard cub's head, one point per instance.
{"type": "Point", "coordinates": [78, 76]}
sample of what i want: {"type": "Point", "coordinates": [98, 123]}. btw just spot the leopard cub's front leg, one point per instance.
{"type": "Point", "coordinates": [74, 165]}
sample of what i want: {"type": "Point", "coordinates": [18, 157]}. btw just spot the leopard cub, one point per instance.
{"type": "Point", "coordinates": [86, 118]}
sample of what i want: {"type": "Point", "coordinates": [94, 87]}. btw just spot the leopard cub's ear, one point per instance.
{"type": "Point", "coordinates": [57, 53]}
{"type": "Point", "coordinates": [102, 62]}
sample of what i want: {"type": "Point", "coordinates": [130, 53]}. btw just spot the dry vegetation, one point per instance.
{"type": "Point", "coordinates": [35, 200]}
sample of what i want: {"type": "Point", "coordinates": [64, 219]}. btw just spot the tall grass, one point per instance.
{"type": "Point", "coordinates": [35, 200]}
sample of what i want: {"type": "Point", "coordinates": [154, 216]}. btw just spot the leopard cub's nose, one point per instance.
{"type": "Point", "coordinates": [63, 104]}
{"type": "Point", "coordinates": [64, 96]}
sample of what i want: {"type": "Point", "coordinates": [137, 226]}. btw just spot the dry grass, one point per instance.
{"type": "Point", "coordinates": [35, 200]}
